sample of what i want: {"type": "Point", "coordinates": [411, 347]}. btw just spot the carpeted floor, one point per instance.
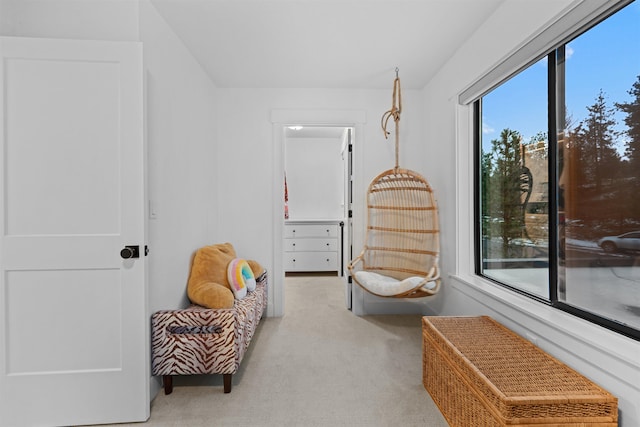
{"type": "Point", "coordinates": [318, 365]}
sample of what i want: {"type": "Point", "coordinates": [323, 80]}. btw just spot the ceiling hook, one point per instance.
{"type": "Point", "coordinates": [397, 69]}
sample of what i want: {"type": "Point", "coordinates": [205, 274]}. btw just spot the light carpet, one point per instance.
{"type": "Point", "coordinates": [318, 365]}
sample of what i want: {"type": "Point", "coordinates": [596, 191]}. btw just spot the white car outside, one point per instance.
{"type": "Point", "coordinates": [624, 242]}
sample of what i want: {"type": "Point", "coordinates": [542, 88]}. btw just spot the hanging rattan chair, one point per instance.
{"type": "Point", "coordinates": [400, 257]}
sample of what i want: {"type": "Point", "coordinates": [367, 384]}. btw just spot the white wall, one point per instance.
{"type": "Point", "coordinates": [315, 178]}
{"type": "Point", "coordinates": [70, 19]}
{"type": "Point", "coordinates": [609, 359]}
{"type": "Point", "coordinates": [181, 134]}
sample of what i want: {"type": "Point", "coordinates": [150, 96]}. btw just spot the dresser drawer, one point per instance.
{"type": "Point", "coordinates": [302, 245]}
{"type": "Point", "coordinates": [311, 261]}
{"type": "Point", "coordinates": [310, 230]}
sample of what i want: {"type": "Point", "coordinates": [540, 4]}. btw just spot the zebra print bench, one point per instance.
{"type": "Point", "coordinates": [198, 340]}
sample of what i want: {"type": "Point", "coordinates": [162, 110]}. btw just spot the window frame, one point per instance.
{"type": "Point", "coordinates": [555, 90]}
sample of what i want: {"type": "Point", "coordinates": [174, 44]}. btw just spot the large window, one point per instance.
{"type": "Point", "coordinates": [558, 182]}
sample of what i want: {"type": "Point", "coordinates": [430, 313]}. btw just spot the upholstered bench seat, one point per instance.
{"type": "Point", "coordinates": [198, 340]}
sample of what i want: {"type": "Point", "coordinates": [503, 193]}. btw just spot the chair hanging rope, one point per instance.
{"type": "Point", "coordinates": [396, 109]}
{"type": "Point", "coordinates": [401, 253]}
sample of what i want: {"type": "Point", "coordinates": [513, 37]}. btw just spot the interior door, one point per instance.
{"type": "Point", "coordinates": [74, 316]}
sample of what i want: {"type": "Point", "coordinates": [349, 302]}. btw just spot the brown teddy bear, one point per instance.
{"type": "Point", "coordinates": [208, 285]}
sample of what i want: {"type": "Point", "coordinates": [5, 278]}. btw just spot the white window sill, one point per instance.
{"type": "Point", "coordinates": [535, 317]}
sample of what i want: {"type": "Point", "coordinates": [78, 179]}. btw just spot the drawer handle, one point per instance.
{"type": "Point", "coordinates": [294, 244]}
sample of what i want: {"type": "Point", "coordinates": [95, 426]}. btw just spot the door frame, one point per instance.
{"type": "Point", "coordinates": [280, 119]}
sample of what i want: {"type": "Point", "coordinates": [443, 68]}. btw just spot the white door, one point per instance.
{"type": "Point", "coordinates": [73, 313]}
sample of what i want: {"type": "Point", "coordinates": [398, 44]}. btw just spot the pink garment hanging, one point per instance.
{"type": "Point", "coordinates": [286, 198]}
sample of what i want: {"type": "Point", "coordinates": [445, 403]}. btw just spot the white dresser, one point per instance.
{"type": "Point", "coordinates": [313, 245]}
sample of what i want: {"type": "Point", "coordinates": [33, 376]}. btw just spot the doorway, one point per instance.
{"type": "Point", "coordinates": [280, 120]}
{"type": "Point", "coordinates": [318, 192]}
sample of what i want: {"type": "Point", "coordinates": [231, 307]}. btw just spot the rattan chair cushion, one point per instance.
{"type": "Point", "coordinates": [388, 286]}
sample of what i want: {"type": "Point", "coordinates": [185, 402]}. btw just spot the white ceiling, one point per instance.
{"type": "Point", "coordinates": [355, 44]}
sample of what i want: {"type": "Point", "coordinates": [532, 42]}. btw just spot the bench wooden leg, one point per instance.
{"type": "Point", "coordinates": [167, 382]}
{"type": "Point", "coordinates": [226, 378]}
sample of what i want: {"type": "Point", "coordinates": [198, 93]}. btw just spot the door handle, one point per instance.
{"type": "Point", "coordinates": [130, 252]}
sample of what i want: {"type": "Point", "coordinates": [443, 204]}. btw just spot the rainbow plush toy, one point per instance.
{"type": "Point", "coordinates": [240, 277]}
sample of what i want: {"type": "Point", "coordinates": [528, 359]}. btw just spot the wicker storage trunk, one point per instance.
{"type": "Point", "coordinates": [480, 373]}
